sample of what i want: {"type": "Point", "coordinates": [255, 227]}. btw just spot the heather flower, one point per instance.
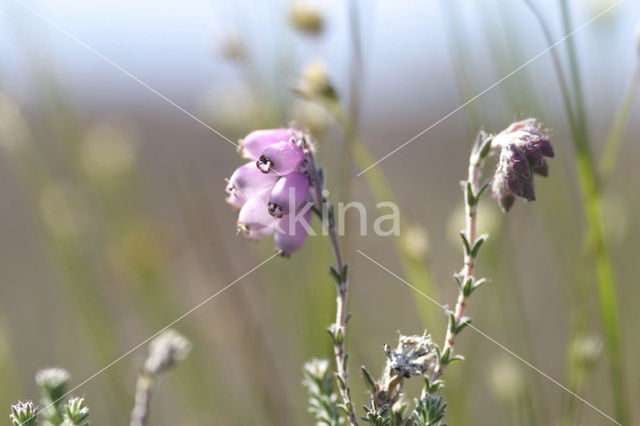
{"type": "Point", "coordinates": [291, 232]}
{"type": "Point", "coordinates": [281, 158]}
{"type": "Point", "coordinates": [272, 193]}
{"type": "Point", "coordinates": [523, 147]}
{"type": "Point", "coordinates": [290, 189]}
{"type": "Point", "coordinates": [247, 182]}
{"type": "Point", "coordinates": [255, 142]}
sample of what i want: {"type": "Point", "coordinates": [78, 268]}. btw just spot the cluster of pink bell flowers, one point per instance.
{"type": "Point", "coordinates": [271, 191]}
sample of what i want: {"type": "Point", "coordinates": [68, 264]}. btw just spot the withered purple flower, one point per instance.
{"type": "Point", "coordinates": [272, 192]}
{"type": "Point", "coordinates": [523, 147]}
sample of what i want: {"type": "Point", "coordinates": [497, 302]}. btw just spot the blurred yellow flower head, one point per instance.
{"type": "Point", "coordinates": [507, 380]}
{"type": "Point", "coordinates": [416, 241]}
{"type": "Point", "coordinates": [315, 81]}
{"type": "Point", "coordinates": [306, 18]}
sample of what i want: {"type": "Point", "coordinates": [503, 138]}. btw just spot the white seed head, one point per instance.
{"type": "Point", "coordinates": [52, 378]}
{"type": "Point", "coordinates": [165, 351]}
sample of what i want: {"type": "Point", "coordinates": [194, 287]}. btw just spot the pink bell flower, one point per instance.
{"type": "Point", "coordinates": [246, 182]}
{"type": "Point", "coordinates": [271, 191]}
{"type": "Point", "coordinates": [291, 232]}
{"type": "Point", "coordinates": [288, 193]}
{"type": "Point", "coordinates": [281, 158]}
{"type": "Point", "coordinates": [252, 146]}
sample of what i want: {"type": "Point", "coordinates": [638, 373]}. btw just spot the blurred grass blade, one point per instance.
{"type": "Point", "coordinates": [596, 237]}
{"type": "Point", "coordinates": [616, 134]}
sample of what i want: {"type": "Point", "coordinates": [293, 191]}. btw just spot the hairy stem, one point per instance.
{"type": "Point", "coordinates": [342, 288]}
{"type": "Point", "coordinates": [339, 328]}
{"type": "Point", "coordinates": [475, 164]}
{"type": "Point", "coordinates": [144, 388]}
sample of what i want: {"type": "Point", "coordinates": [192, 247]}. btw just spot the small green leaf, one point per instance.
{"type": "Point", "coordinates": [481, 190]}
{"type": "Point", "coordinates": [468, 287]}
{"type": "Point", "coordinates": [336, 276]}
{"type": "Point", "coordinates": [477, 244]}
{"type": "Point", "coordinates": [452, 322]}
{"type": "Point", "coordinates": [465, 242]}
{"type": "Point", "coordinates": [368, 379]}
{"type": "Point", "coordinates": [478, 283]}
{"type": "Point", "coordinates": [444, 359]}
{"type": "Point", "coordinates": [340, 382]}
{"type": "Point", "coordinates": [471, 199]}
{"type": "Point", "coordinates": [464, 321]}
{"type": "Point", "coordinates": [455, 359]}
{"type": "Point", "coordinates": [458, 279]}
{"type": "Point", "coordinates": [486, 146]}
{"type": "Point", "coordinates": [344, 272]}
{"type": "Point", "coordinates": [332, 334]}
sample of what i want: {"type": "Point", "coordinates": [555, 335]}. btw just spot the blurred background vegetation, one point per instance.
{"type": "Point", "coordinates": [113, 221]}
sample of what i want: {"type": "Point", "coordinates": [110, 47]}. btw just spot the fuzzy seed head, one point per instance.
{"type": "Point", "coordinates": [167, 349]}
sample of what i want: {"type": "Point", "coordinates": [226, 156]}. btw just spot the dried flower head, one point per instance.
{"type": "Point", "coordinates": [168, 348]}
{"type": "Point", "coordinates": [272, 191]}
{"type": "Point", "coordinates": [414, 356]}
{"type": "Point", "coordinates": [306, 18]}
{"type": "Point", "coordinates": [23, 414]}
{"type": "Point", "coordinates": [522, 146]}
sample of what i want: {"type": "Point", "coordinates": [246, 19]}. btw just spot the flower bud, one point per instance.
{"type": "Point", "coordinates": [291, 231]}
{"type": "Point", "coordinates": [23, 414]}
{"type": "Point", "coordinates": [542, 169]}
{"type": "Point", "coordinates": [280, 158]}
{"type": "Point", "coordinates": [257, 141]}
{"type": "Point", "coordinates": [545, 146]}
{"type": "Point", "coordinates": [288, 193]}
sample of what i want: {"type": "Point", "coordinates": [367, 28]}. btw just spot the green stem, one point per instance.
{"type": "Point", "coordinates": [597, 242]}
